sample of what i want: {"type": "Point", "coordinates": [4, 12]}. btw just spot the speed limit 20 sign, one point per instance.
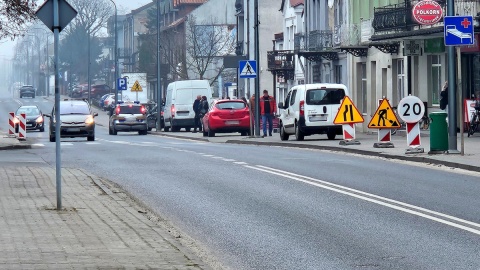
{"type": "Point", "coordinates": [411, 109]}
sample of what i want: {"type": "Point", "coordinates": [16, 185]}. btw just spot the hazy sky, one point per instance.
{"type": "Point", "coordinates": [6, 46]}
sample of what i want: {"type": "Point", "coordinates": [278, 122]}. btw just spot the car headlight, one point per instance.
{"type": "Point", "coordinates": [39, 119]}
{"type": "Point", "coordinates": [15, 120]}
{"type": "Point", "coordinates": [89, 120]}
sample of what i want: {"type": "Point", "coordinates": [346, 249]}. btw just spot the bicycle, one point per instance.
{"type": "Point", "coordinates": [475, 120]}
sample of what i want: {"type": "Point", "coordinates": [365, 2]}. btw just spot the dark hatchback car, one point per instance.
{"type": "Point", "coordinates": [76, 120]}
{"type": "Point", "coordinates": [34, 117]}
{"type": "Point", "coordinates": [27, 90]}
{"type": "Point", "coordinates": [97, 91]}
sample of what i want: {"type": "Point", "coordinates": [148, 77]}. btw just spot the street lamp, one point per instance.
{"type": "Point", "coordinates": [115, 54]}
{"type": "Point", "coordinates": [47, 70]}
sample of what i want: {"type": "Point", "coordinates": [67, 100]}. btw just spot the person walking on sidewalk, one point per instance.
{"type": "Point", "coordinates": [268, 108]}
{"type": "Point", "coordinates": [196, 119]}
{"type": "Point", "coordinates": [444, 97]}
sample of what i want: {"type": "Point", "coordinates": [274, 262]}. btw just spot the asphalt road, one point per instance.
{"type": "Point", "coordinates": [257, 207]}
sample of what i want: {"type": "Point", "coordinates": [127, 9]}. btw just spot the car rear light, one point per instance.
{"type": "Point", "coordinates": [172, 109]}
{"type": "Point", "coordinates": [161, 113]}
{"type": "Point", "coordinates": [142, 109]}
{"type": "Point", "coordinates": [302, 107]}
{"type": "Point", "coordinates": [117, 110]}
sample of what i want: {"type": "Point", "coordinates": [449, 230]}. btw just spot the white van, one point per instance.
{"type": "Point", "coordinates": [310, 109]}
{"type": "Point", "coordinates": [178, 110]}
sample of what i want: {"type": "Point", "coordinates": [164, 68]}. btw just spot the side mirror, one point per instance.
{"type": "Point", "coordinates": [280, 105]}
{"type": "Point", "coordinates": [47, 115]}
{"type": "Point", "coordinates": [95, 114]}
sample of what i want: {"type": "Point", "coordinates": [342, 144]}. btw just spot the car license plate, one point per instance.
{"type": "Point", "coordinates": [318, 118]}
{"type": "Point", "coordinates": [232, 122]}
{"type": "Point", "coordinates": [73, 130]}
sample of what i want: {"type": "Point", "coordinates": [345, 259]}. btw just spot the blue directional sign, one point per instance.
{"type": "Point", "coordinates": [122, 84]}
{"type": "Point", "coordinates": [458, 30]}
{"type": "Point", "coordinates": [248, 69]}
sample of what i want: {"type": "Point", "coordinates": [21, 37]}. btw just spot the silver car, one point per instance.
{"type": "Point", "coordinates": [76, 120]}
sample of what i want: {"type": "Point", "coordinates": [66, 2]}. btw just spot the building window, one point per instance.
{"type": "Point", "coordinates": [436, 84]}
{"type": "Point", "coordinates": [338, 74]}
{"type": "Point", "coordinates": [363, 88]}
{"type": "Point", "coordinates": [400, 80]}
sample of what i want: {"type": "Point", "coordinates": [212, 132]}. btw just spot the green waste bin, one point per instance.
{"type": "Point", "coordinates": [438, 131]}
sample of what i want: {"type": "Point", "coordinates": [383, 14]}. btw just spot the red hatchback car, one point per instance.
{"type": "Point", "coordinates": [227, 116]}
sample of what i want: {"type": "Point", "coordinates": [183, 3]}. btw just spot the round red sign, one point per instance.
{"type": "Point", "coordinates": [427, 12]}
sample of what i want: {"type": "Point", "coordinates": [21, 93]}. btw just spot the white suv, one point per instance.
{"type": "Point", "coordinates": [310, 109]}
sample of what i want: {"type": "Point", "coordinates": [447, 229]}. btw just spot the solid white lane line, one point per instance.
{"type": "Point", "coordinates": [228, 159]}
{"type": "Point", "coordinates": [389, 205]}
{"type": "Point", "coordinates": [376, 196]}
{"type": "Point", "coordinates": [207, 155]}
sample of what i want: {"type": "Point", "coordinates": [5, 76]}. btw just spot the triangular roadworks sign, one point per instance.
{"type": "Point", "coordinates": [348, 113]}
{"type": "Point", "coordinates": [384, 117]}
{"type": "Point", "coordinates": [136, 87]}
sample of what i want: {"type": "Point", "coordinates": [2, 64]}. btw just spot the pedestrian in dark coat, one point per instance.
{"type": "Point", "coordinates": [196, 109]}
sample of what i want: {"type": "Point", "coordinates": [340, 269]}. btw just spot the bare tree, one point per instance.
{"type": "Point", "coordinates": [92, 15]}
{"type": "Point", "coordinates": [206, 43]}
{"type": "Point", "coordinates": [14, 15]}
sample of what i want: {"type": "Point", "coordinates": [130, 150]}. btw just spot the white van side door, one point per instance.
{"type": "Point", "coordinates": [290, 111]}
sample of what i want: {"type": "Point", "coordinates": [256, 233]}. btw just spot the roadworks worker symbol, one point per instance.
{"type": "Point", "coordinates": [248, 70]}
{"type": "Point", "coordinates": [348, 113]}
{"type": "Point", "coordinates": [136, 87]}
{"type": "Point", "coordinates": [384, 117]}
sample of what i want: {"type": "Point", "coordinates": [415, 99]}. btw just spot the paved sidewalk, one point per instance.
{"type": "Point", "coordinates": [96, 230]}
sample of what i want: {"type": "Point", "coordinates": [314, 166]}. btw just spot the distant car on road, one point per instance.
{"type": "Point", "coordinates": [225, 116]}
{"type": "Point", "coordinates": [76, 120]}
{"type": "Point", "coordinates": [128, 116]}
{"type": "Point", "coordinates": [97, 91]}
{"type": "Point", "coordinates": [27, 90]}
{"type": "Point", "coordinates": [33, 116]}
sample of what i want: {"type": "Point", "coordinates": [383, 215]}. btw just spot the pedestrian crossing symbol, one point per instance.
{"type": "Point", "coordinates": [248, 69]}
{"type": "Point", "coordinates": [136, 87]}
{"type": "Point", "coordinates": [384, 117]}
{"type": "Point", "coordinates": [348, 113]}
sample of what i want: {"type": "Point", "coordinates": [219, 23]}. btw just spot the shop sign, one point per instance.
{"type": "Point", "coordinates": [427, 12]}
{"type": "Point", "coordinates": [413, 47]}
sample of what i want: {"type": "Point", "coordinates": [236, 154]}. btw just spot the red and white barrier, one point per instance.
{"type": "Point", "coordinates": [384, 135]}
{"type": "Point", "coordinates": [348, 131]}
{"type": "Point", "coordinates": [413, 135]}
{"type": "Point", "coordinates": [22, 126]}
{"type": "Point", "coordinates": [11, 124]}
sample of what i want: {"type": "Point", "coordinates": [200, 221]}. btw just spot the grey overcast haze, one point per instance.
{"type": "Point", "coordinates": [123, 6]}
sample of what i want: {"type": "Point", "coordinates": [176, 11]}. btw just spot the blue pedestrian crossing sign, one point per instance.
{"type": "Point", "coordinates": [248, 69]}
{"type": "Point", "coordinates": [458, 30]}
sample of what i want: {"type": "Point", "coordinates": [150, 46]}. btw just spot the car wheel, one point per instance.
{"type": "Point", "coordinates": [210, 132]}
{"type": "Point", "coordinates": [42, 129]}
{"type": "Point", "coordinates": [188, 129]}
{"type": "Point", "coordinates": [21, 96]}
{"type": "Point", "coordinates": [91, 138]}
{"type": "Point", "coordinates": [149, 129]}
{"type": "Point", "coordinates": [52, 138]}
{"type": "Point", "coordinates": [205, 134]}
{"type": "Point", "coordinates": [283, 135]}
{"type": "Point", "coordinates": [33, 96]}
{"type": "Point", "coordinates": [165, 128]}
{"type": "Point", "coordinates": [114, 132]}
{"type": "Point", "coordinates": [244, 133]}
{"type": "Point", "coordinates": [298, 133]}
{"type": "Point", "coordinates": [175, 129]}
{"type": "Point", "coordinates": [331, 134]}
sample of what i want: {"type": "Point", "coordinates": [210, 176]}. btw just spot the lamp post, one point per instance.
{"type": "Point", "coordinates": [115, 54]}
{"type": "Point", "coordinates": [159, 63]}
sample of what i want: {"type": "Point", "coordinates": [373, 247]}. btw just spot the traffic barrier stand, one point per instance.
{"type": "Point", "coordinates": [384, 139]}
{"type": "Point", "coordinates": [349, 135]}
{"type": "Point", "coordinates": [11, 124]}
{"type": "Point", "coordinates": [413, 139]}
{"type": "Point", "coordinates": [22, 130]}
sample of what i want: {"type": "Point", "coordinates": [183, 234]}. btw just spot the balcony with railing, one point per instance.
{"type": "Point", "coordinates": [282, 63]}
{"type": "Point", "coordinates": [315, 45]}
{"type": "Point", "coordinates": [398, 17]}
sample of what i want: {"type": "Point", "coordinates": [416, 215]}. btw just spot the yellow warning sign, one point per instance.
{"type": "Point", "coordinates": [136, 87]}
{"type": "Point", "coordinates": [384, 117]}
{"type": "Point", "coordinates": [348, 113]}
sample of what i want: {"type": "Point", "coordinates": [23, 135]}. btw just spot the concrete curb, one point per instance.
{"type": "Point", "coordinates": [178, 136]}
{"type": "Point", "coordinates": [363, 152]}
{"type": "Point", "coordinates": [15, 146]}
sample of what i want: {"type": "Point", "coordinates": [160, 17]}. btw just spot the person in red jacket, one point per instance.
{"type": "Point", "coordinates": [268, 108]}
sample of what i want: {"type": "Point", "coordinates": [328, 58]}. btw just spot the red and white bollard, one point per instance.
{"type": "Point", "coordinates": [384, 138]}
{"type": "Point", "coordinates": [11, 124]}
{"type": "Point", "coordinates": [413, 138]}
{"type": "Point", "coordinates": [348, 134]}
{"type": "Point", "coordinates": [22, 127]}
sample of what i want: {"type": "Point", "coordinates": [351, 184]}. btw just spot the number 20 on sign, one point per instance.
{"type": "Point", "coordinates": [348, 113]}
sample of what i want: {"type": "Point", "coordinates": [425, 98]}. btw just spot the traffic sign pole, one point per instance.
{"type": "Point", "coordinates": [58, 163]}
{"type": "Point", "coordinates": [452, 100]}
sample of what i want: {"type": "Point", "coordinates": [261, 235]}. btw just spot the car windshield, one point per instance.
{"type": "Point", "coordinates": [72, 108]}
{"type": "Point", "coordinates": [130, 109]}
{"type": "Point", "coordinates": [29, 111]}
{"type": "Point", "coordinates": [231, 105]}
{"type": "Point", "coordinates": [324, 96]}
